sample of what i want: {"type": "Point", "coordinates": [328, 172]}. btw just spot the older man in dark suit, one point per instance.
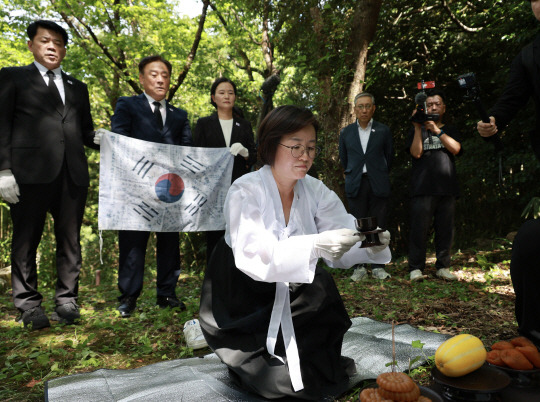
{"type": "Point", "coordinates": [150, 117]}
{"type": "Point", "coordinates": [45, 122]}
{"type": "Point", "coordinates": [366, 153]}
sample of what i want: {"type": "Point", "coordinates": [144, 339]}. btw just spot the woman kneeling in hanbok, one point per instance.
{"type": "Point", "coordinates": [268, 311]}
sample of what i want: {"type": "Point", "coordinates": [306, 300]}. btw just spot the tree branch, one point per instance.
{"type": "Point", "coordinates": [120, 65]}
{"type": "Point", "coordinates": [456, 20]}
{"type": "Point", "coordinates": [247, 62]}
{"type": "Point", "coordinates": [192, 53]}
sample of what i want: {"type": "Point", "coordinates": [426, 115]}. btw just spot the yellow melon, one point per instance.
{"type": "Point", "coordinates": [460, 355]}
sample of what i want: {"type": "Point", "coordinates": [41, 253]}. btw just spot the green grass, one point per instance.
{"type": "Point", "coordinates": [481, 303]}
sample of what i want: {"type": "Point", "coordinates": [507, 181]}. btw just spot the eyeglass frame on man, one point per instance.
{"type": "Point", "coordinates": [364, 107]}
{"type": "Point", "coordinates": [317, 150]}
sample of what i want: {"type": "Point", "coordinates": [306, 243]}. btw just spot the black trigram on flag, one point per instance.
{"type": "Point", "coordinates": [196, 204]}
{"type": "Point", "coordinates": [191, 164]}
{"type": "Point", "coordinates": [142, 167]}
{"type": "Point", "coordinates": [146, 211]}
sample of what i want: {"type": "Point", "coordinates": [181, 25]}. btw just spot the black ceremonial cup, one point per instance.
{"type": "Point", "coordinates": [368, 227]}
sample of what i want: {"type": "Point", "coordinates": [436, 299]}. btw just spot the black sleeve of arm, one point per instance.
{"type": "Point", "coordinates": [517, 92]}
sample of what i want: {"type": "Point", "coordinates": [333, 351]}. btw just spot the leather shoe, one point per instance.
{"type": "Point", "coordinates": [66, 313]}
{"type": "Point", "coordinates": [35, 317]}
{"type": "Point", "coordinates": [126, 307]}
{"type": "Point", "coordinates": [171, 302]}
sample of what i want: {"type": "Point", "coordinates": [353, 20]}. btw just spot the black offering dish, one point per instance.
{"type": "Point", "coordinates": [521, 378]}
{"type": "Point", "coordinates": [368, 227]}
{"type": "Point", "coordinates": [484, 384]}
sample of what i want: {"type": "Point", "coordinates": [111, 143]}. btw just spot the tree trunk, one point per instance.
{"type": "Point", "coordinates": [365, 20]}
{"type": "Point", "coordinates": [335, 102]}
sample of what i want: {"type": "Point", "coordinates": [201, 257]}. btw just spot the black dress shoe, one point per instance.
{"type": "Point", "coordinates": [171, 302]}
{"type": "Point", "coordinates": [126, 307]}
{"type": "Point", "coordinates": [66, 313]}
{"type": "Point", "coordinates": [35, 317]}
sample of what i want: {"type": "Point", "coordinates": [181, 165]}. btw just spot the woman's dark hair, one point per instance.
{"type": "Point", "coordinates": [46, 24]}
{"type": "Point", "coordinates": [214, 86]}
{"type": "Point", "coordinates": [279, 122]}
{"type": "Point", "coordinates": [150, 59]}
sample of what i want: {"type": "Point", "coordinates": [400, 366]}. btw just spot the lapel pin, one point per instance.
{"type": "Point", "coordinates": [238, 124]}
{"type": "Point", "coordinates": [69, 82]}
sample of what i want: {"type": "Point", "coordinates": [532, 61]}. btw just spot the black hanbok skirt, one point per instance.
{"type": "Point", "coordinates": [235, 314]}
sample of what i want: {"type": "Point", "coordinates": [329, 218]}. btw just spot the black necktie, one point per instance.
{"type": "Point", "coordinates": [54, 89]}
{"type": "Point", "coordinates": [157, 113]}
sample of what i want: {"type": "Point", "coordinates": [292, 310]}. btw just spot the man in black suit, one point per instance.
{"type": "Point", "coordinates": [45, 122]}
{"type": "Point", "coordinates": [366, 154]}
{"type": "Point", "coordinates": [150, 117]}
{"type": "Point", "coordinates": [523, 83]}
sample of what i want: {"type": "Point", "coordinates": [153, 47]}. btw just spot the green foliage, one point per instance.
{"type": "Point", "coordinates": [532, 209]}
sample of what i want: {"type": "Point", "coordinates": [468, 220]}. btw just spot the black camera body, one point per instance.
{"type": "Point", "coordinates": [420, 99]}
{"type": "Point", "coordinates": [470, 85]}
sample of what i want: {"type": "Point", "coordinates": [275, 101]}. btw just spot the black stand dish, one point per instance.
{"type": "Point", "coordinates": [482, 385]}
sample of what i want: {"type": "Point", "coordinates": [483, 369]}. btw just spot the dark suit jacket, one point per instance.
{"type": "Point", "coordinates": [523, 83]}
{"type": "Point", "coordinates": [377, 158]}
{"type": "Point", "coordinates": [134, 118]}
{"type": "Point", "coordinates": [35, 137]}
{"type": "Point", "coordinates": [208, 133]}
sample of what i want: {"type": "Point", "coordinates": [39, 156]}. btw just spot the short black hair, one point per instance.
{"type": "Point", "coordinates": [436, 91]}
{"type": "Point", "coordinates": [279, 122]}
{"type": "Point", "coordinates": [150, 59]}
{"type": "Point", "coordinates": [214, 86]}
{"type": "Point", "coordinates": [46, 24]}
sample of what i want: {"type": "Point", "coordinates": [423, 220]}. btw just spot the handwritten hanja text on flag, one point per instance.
{"type": "Point", "coordinates": [161, 187]}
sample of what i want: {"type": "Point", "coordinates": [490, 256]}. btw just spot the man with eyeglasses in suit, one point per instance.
{"type": "Point", "coordinates": [366, 153]}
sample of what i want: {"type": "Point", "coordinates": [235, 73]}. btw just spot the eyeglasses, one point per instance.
{"type": "Point", "coordinates": [298, 150]}
{"type": "Point", "coordinates": [366, 107]}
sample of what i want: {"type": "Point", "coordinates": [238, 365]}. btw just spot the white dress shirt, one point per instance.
{"type": "Point", "coordinates": [226, 127]}
{"type": "Point", "coordinates": [364, 134]}
{"type": "Point", "coordinates": [161, 109]}
{"type": "Point", "coordinates": [58, 81]}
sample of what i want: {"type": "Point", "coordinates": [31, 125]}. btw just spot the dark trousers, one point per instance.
{"type": "Point", "coordinates": [525, 273]}
{"type": "Point", "coordinates": [368, 204]}
{"type": "Point", "coordinates": [235, 312]}
{"type": "Point", "coordinates": [65, 201]}
{"type": "Point", "coordinates": [132, 245]}
{"type": "Point", "coordinates": [424, 209]}
{"type": "Point", "coordinates": [212, 237]}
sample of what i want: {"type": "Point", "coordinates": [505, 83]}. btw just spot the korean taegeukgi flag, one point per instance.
{"type": "Point", "coordinates": [160, 187]}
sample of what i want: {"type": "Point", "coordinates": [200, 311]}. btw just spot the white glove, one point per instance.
{"type": "Point", "coordinates": [384, 238]}
{"type": "Point", "coordinates": [98, 134]}
{"type": "Point", "coordinates": [9, 189]}
{"type": "Point", "coordinates": [239, 149]}
{"type": "Point", "coordinates": [332, 244]}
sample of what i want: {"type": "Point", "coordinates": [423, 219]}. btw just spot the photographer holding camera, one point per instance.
{"type": "Point", "coordinates": [433, 186]}
{"type": "Point", "coordinates": [523, 83]}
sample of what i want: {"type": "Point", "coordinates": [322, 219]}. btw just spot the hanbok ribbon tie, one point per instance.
{"type": "Point", "coordinates": [281, 316]}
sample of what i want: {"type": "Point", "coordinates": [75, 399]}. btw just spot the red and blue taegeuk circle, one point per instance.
{"type": "Point", "coordinates": [169, 187]}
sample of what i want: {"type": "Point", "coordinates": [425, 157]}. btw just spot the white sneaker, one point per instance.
{"type": "Point", "coordinates": [359, 274]}
{"type": "Point", "coordinates": [193, 335]}
{"type": "Point", "coordinates": [380, 273]}
{"type": "Point", "coordinates": [416, 275]}
{"type": "Point", "coordinates": [444, 273]}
